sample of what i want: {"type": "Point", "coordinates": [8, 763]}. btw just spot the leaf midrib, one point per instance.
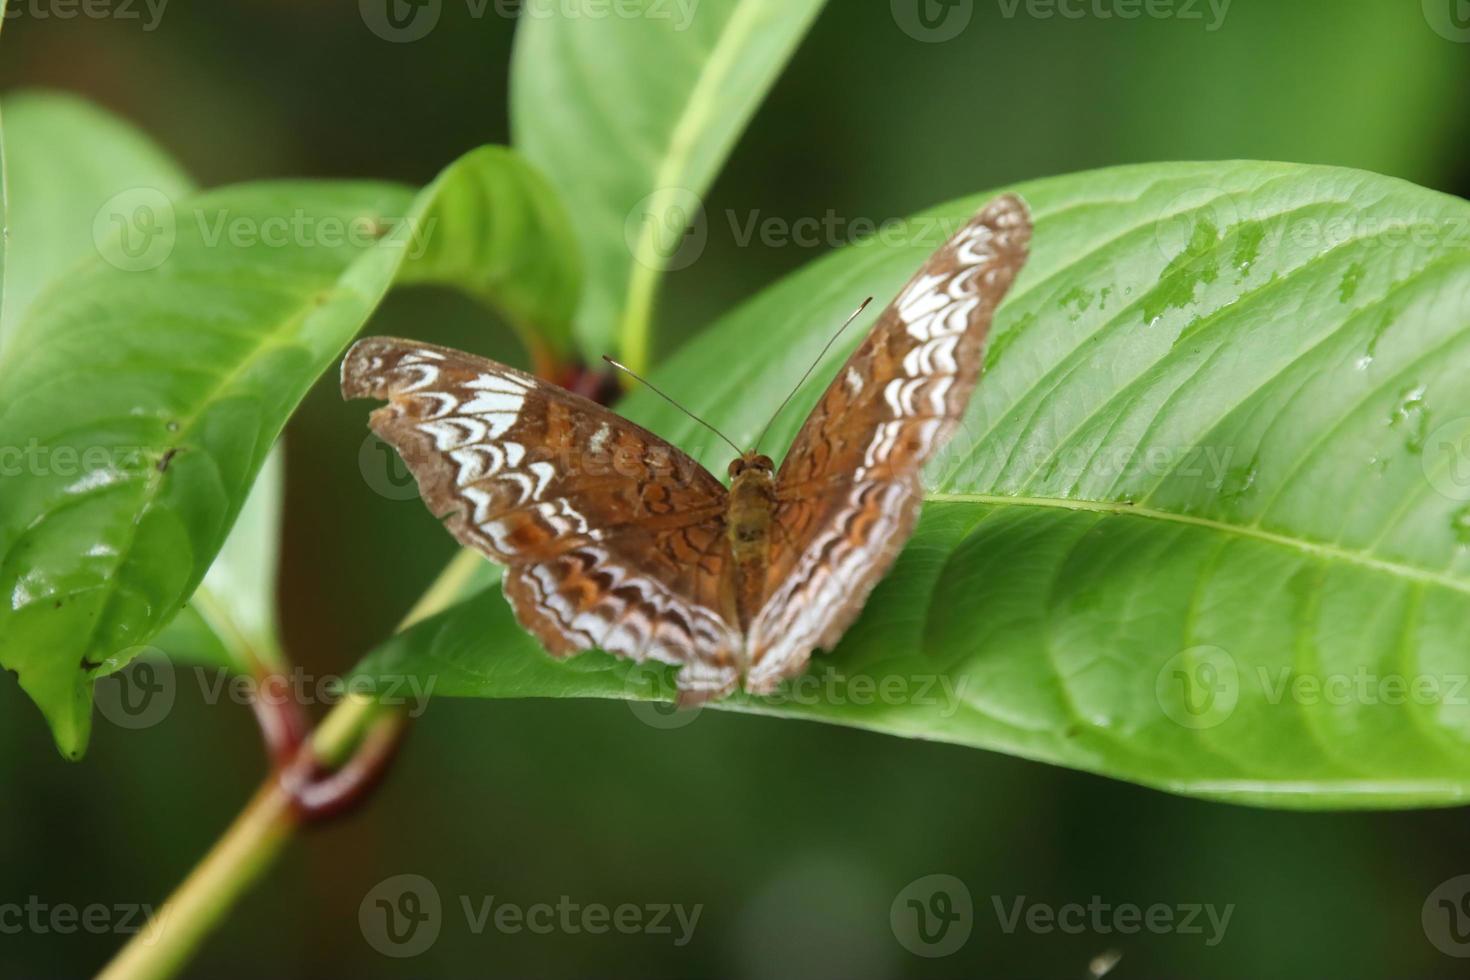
{"type": "Point", "coordinates": [1314, 549]}
{"type": "Point", "coordinates": [268, 341]}
{"type": "Point", "coordinates": [682, 141]}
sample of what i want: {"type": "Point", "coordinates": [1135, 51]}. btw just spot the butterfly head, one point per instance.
{"type": "Point", "coordinates": [751, 460]}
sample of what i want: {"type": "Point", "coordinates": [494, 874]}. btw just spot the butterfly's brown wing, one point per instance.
{"type": "Point", "coordinates": [613, 538]}
{"type": "Point", "coordinates": [848, 491]}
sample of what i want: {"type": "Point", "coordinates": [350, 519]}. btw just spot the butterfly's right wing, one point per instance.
{"type": "Point", "coordinates": [848, 491]}
{"type": "Point", "coordinates": [613, 538]}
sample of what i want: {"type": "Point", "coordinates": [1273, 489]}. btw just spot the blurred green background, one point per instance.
{"type": "Point", "coordinates": [794, 838]}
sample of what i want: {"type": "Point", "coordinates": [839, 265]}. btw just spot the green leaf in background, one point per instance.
{"type": "Point", "coordinates": [238, 595]}
{"type": "Point", "coordinates": [499, 232]}
{"type": "Point", "coordinates": [1207, 526]}
{"type": "Point", "coordinates": [192, 333]}
{"type": "Point", "coordinates": [74, 159]}
{"type": "Point", "coordinates": [65, 160]}
{"type": "Point", "coordinates": [631, 118]}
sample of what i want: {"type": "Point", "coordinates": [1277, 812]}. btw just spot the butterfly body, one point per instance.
{"type": "Point", "coordinates": [749, 519]}
{"type": "Point", "coordinates": [614, 539]}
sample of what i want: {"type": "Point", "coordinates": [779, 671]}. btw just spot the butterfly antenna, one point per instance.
{"type": "Point", "coordinates": [634, 375]}
{"type": "Point", "coordinates": [781, 407]}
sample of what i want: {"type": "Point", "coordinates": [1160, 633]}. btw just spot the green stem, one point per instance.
{"type": "Point", "coordinates": [242, 855]}
{"type": "Point", "coordinates": [676, 167]}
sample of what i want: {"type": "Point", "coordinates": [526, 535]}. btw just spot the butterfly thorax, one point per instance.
{"type": "Point", "coordinates": [748, 521]}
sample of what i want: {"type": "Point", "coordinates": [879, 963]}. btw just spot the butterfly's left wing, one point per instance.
{"type": "Point", "coordinates": [848, 491]}
{"type": "Point", "coordinates": [612, 538]}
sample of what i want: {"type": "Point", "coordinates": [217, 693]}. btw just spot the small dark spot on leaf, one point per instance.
{"type": "Point", "coordinates": [90, 665]}
{"type": "Point", "coordinates": [1073, 731]}
{"type": "Point", "coordinates": [167, 458]}
{"type": "Point", "coordinates": [58, 604]}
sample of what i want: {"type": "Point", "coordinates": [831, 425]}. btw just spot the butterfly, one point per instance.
{"type": "Point", "coordinates": [615, 540]}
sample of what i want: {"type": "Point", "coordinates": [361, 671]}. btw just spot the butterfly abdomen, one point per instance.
{"type": "Point", "coordinates": [748, 521]}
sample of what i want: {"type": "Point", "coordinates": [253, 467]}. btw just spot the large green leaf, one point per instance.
{"type": "Point", "coordinates": [1207, 526]}
{"type": "Point", "coordinates": [65, 160]}
{"type": "Point", "coordinates": [496, 230]}
{"type": "Point", "coordinates": [631, 117]}
{"type": "Point", "coordinates": [145, 389]}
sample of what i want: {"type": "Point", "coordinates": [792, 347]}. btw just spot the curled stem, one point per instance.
{"type": "Point", "coordinates": [357, 727]}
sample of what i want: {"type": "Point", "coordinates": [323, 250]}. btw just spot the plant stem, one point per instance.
{"type": "Point", "coordinates": [246, 850]}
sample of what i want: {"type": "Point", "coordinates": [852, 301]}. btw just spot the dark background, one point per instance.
{"type": "Point", "coordinates": [794, 837]}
